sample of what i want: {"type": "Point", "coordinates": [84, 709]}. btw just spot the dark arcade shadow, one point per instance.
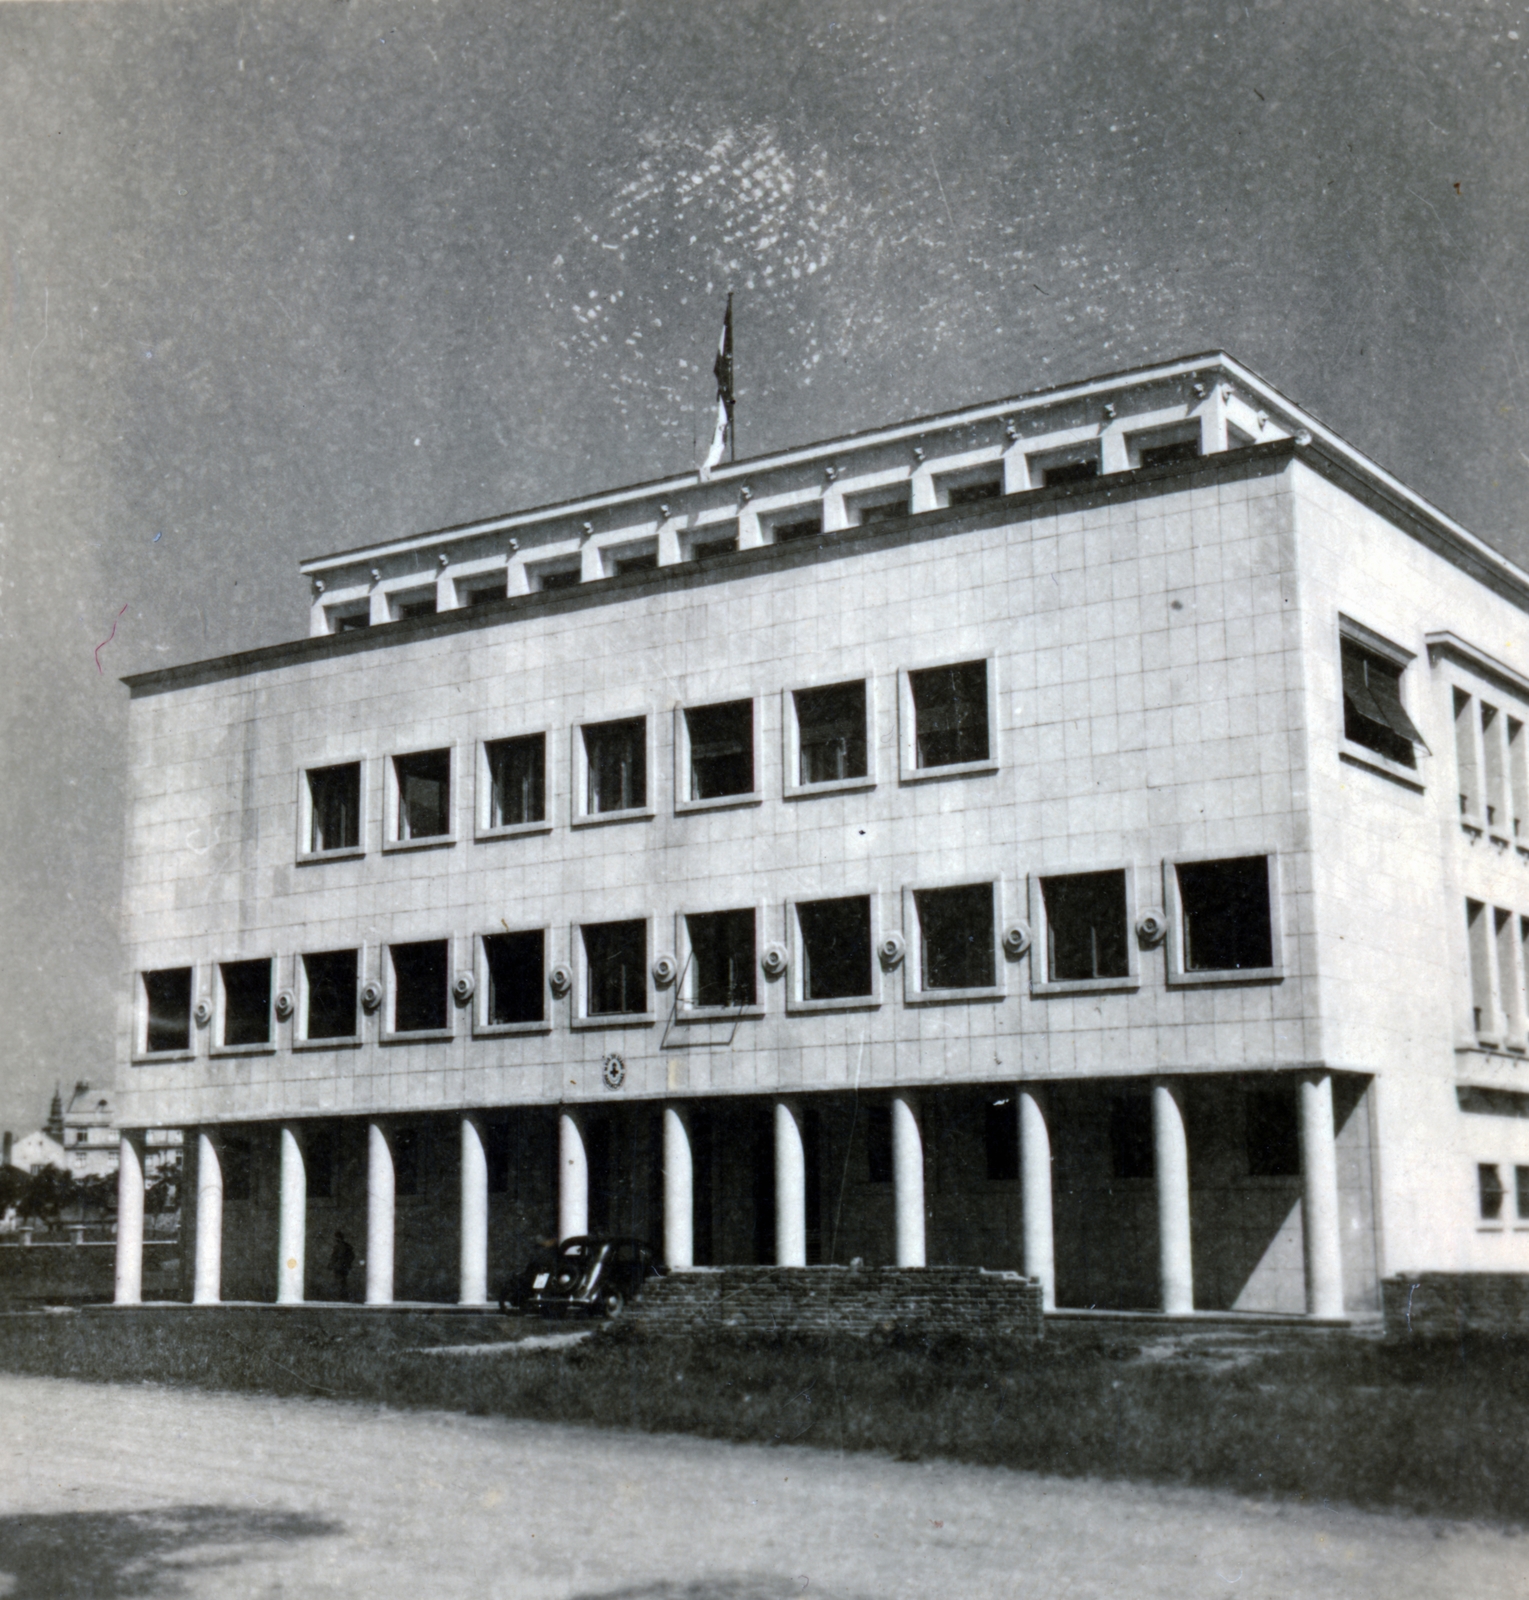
{"type": "Point", "coordinates": [99, 1555]}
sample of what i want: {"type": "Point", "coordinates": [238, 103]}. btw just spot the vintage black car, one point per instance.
{"type": "Point", "coordinates": [597, 1276]}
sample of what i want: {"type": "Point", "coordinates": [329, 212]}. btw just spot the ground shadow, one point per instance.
{"type": "Point", "coordinates": [746, 1587]}
{"type": "Point", "coordinates": [72, 1555]}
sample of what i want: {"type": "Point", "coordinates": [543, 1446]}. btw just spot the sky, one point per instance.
{"type": "Point", "coordinates": [277, 279]}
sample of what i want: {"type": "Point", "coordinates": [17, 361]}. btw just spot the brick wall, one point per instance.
{"type": "Point", "coordinates": [1443, 1305]}
{"type": "Point", "coordinates": [842, 1300]}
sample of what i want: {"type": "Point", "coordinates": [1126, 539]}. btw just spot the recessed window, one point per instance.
{"type": "Point", "coordinates": [482, 591]}
{"type": "Point", "coordinates": [1224, 910]}
{"type": "Point", "coordinates": [882, 506]}
{"type": "Point", "coordinates": [167, 1009]}
{"type": "Point", "coordinates": [329, 984]}
{"type": "Point", "coordinates": [1060, 472]}
{"type": "Point", "coordinates": [564, 575]}
{"type": "Point", "coordinates": [1479, 930]}
{"type": "Point", "coordinates": [949, 713]}
{"type": "Point", "coordinates": [720, 740]}
{"type": "Point", "coordinates": [1000, 1139]}
{"type": "Point", "coordinates": [1489, 1191]}
{"type": "Point", "coordinates": [517, 781]}
{"type": "Point", "coordinates": [246, 1003]}
{"type": "Point", "coordinates": [706, 545]}
{"type": "Point", "coordinates": [831, 734]}
{"type": "Point", "coordinates": [350, 619]}
{"type": "Point", "coordinates": [616, 765]}
{"type": "Point", "coordinates": [631, 558]}
{"type": "Point", "coordinates": [414, 604]}
{"type": "Point", "coordinates": [419, 986]}
{"type": "Point", "coordinates": [1271, 1132]}
{"type": "Point", "coordinates": [514, 967]}
{"type": "Point", "coordinates": [721, 959]}
{"type": "Point", "coordinates": [1373, 714]}
{"type": "Point", "coordinates": [1131, 1153]}
{"type": "Point", "coordinates": [615, 968]}
{"type": "Point", "coordinates": [970, 488]}
{"type": "Point", "coordinates": [1169, 452]}
{"type": "Point", "coordinates": [334, 808]}
{"type": "Point", "coordinates": [1086, 927]}
{"type": "Point", "coordinates": [835, 948]}
{"type": "Point", "coordinates": [878, 1143]}
{"type": "Point", "coordinates": [423, 785]}
{"type": "Point", "coordinates": [1521, 1195]}
{"type": "Point", "coordinates": [796, 525]}
{"type": "Point", "coordinates": [955, 938]}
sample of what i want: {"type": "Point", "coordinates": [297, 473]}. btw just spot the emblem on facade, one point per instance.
{"type": "Point", "coordinates": [613, 1071]}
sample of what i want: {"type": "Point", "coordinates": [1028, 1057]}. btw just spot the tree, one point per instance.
{"type": "Point", "coordinates": [48, 1192]}
{"type": "Point", "coordinates": [13, 1187]}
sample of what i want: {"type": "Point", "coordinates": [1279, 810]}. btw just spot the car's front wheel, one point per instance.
{"type": "Point", "coordinates": [612, 1304]}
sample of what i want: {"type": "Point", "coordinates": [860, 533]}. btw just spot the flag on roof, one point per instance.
{"type": "Point", "coordinates": [723, 438]}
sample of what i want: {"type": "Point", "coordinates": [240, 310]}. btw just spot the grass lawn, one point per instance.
{"type": "Point", "coordinates": [1439, 1429]}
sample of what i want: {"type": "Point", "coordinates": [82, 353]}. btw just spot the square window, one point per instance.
{"type": "Point", "coordinates": [1373, 714]}
{"type": "Point", "coordinates": [1224, 915]}
{"type": "Point", "coordinates": [1131, 1153]}
{"type": "Point", "coordinates": [1086, 927]}
{"type": "Point", "coordinates": [334, 808]}
{"type": "Point", "coordinates": [515, 986]}
{"type": "Point", "coordinates": [835, 945]}
{"type": "Point", "coordinates": [1489, 1192]}
{"type": "Point", "coordinates": [329, 982]}
{"type": "Point", "coordinates": [831, 743]}
{"type": "Point", "coordinates": [720, 741]}
{"type": "Point", "coordinates": [555, 577]}
{"type": "Point", "coordinates": [1271, 1133]}
{"type": "Point", "coordinates": [796, 525]}
{"type": "Point", "coordinates": [167, 1009]}
{"type": "Point", "coordinates": [1000, 1140]}
{"type": "Point", "coordinates": [948, 710]}
{"type": "Point", "coordinates": [517, 781]}
{"type": "Point", "coordinates": [419, 986]}
{"type": "Point", "coordinates": [415, 604]}
{"type": "Point", "coordinates": [878, 1143]}
{"type": "Point", "coordinates": [615, 969]}
{"type": "Point", "coordinates": [721, 960]}
{"type": "Point", "coordinates": [615, 765]}
{"type": "Point", "coordinates": [423, 785]}
{"type": "Point", "coordinates": [882, 506]}
{"type": "Point", "coordinates": [246, 1003]}
{"type": "Point", "coordinates": [954, 931]}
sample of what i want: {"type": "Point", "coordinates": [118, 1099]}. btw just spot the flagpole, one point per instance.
{"type": "Point", "coordinates": [732, 367]}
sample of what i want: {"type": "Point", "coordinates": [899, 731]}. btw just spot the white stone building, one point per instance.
{"type": "Point", "coordinates": [1087, 833]}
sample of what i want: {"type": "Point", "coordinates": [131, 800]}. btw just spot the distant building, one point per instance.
{"type": "Point", "coordinates": [34, 1151]}
{"type": "Point", "coordinates": [91, 1141]}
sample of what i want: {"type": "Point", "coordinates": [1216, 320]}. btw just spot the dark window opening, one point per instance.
{"type": "Point", "coordinates": [722, 958]}
{"type": "Point", "coordinates": [236, 1159]}
{"type": "Point", "coordinates": [721, 749]}
{"type": "Point", "coordinates": [246, 1002]}
{"type": "Point", "coordinates": [1086, 926]}
{"type": "Point", "coordinates": [1521, 1186]}
{"type": "Point", "coordinates": [617, 757]}
{"type": "Point", "coordinates": [1490, 1189]}
{"type": "Point", "coordinates": [514, 963]}
{"type": "Point", "coordinates": [1069, 472]}
{"type": "Point", "coordinates": [701, 549]}
{"type": "Point", "coordinates": [1000, 1139]}
{"type": "Point", "coordinates": [321, 1160]}
{"type": "Point", "coordinates": [517, 781]}
{"type": "Point", "coordinates": [408, 1162]}
{"type": "Point", "coordinates": [808, 527]}
{"type": "Point", "coordinates": [950, 714]}
{"type": "Point", "coordinates": [424, 794]}
{"type": "Point", "coordinates": [616, 959]}
{"type": "Point", "coordinates": [645, 562]}
{"type": "Point", "coordinates": [878, 1143]}
{"type": "Point", "coordinates": [485, 593]}
{"type": "Point", "coordinates": [330, 979]}
{"type": "Point", "coordinates": [563, 578]}
{"type": "Point", "coordinates": [956, 936]}
{"type": "Point", "coordinates": [1271, 1133]}
{"type": "Point", "coordinates": [1131, 1154]}
{"type": "Point", "coordinates": [836, 948]}
{"type": "Point", "coordinates": [878, 511]}
{"type": "Point", "coordinates": [169, 1009]}
{"type": "Point", "coordinates": [1164, 455]}
{"type": "Point", "coordinates": [970, 494]}
{"type": "Point", "coordinates": [350, 621]}
{"type": "Point", "coordinates": [496, 1156]}
{"type": "Point", "coordinates": [831, 738]}
{"type": "Point", "coordinates": [1226, 914]}
{"type": "Point", "coordinates": [419, 986]}
{"type": "Point", "coordinates": [1373, 714]}
{"type": "Point", "coordinates": [334, 805]}
{"type": "Point", "coordinates": [408, 610]}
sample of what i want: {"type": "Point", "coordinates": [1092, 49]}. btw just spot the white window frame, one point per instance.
{"type": "Point", "coordinates": [579, 1017]}
{"type": "Point", "coordinates": [1152, 435]}
{"type": "Point", "coordinates": [220, 1011]}
{"type": "Point", "coordinates": [795, 1003]}
{"type": "Point", "coordinates": [943, 481]}
{"type": "Point", "coordinates": [484, 1029]}
{"type": "Point", "coordinates": [683, 803]}
{"type": "Point", "coordinates": [867, 499]}
{"type": "Point", "coordinates": [306, 856]}
{"type": "Point", "coordinates": [470, 579]}
{"type": "Point", "coordinates": [776, 512]}
{"type": "Point", "coordinates": [346, 608]}
{"type": "Point", "coordinates": [391, 843]}
{"type": "Point", "coordinates": [388, 1033]}
{"type": "Point", "coordinates": [141, 1052]}
{"type": "Point", "coordinates": [568, 561]}
{"type": "Point", "coordinates": [686, 1010]}
{"type": "Point", "coordinates": [792, 740]}
{"type": "Point", "coordinates": [1178, 977]}
{"type": "Point", "coordinates": [579, 764]}
{"type": "Point", "coordinates": [907, 723]}
{"type": "Point", "coordinates": [344, 1041]}
{"type": "Point", "coordinates": [711, 533]}
{"type": "Point", "coordinates": [1361, 755]}
{"type": "Point", "coordinates": [1041, 981]}
{"type": "Point", "coordinates": [484, 796]}
{"type": "Point", "coordinates": [407, 591]}
{"type": "Point", "coordinates": [626, 550]}
{"type": "Point", "coordinates": [914, 992]}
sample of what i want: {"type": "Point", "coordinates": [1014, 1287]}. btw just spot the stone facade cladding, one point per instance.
{"type": "Point", "coordinates": [818, 1300]}
{"type": "Point", "coordinates": [1444, 1305]}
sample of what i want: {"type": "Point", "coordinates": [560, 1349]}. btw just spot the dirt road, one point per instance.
{"type": "Point", "coordinates": [117, 1491]}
